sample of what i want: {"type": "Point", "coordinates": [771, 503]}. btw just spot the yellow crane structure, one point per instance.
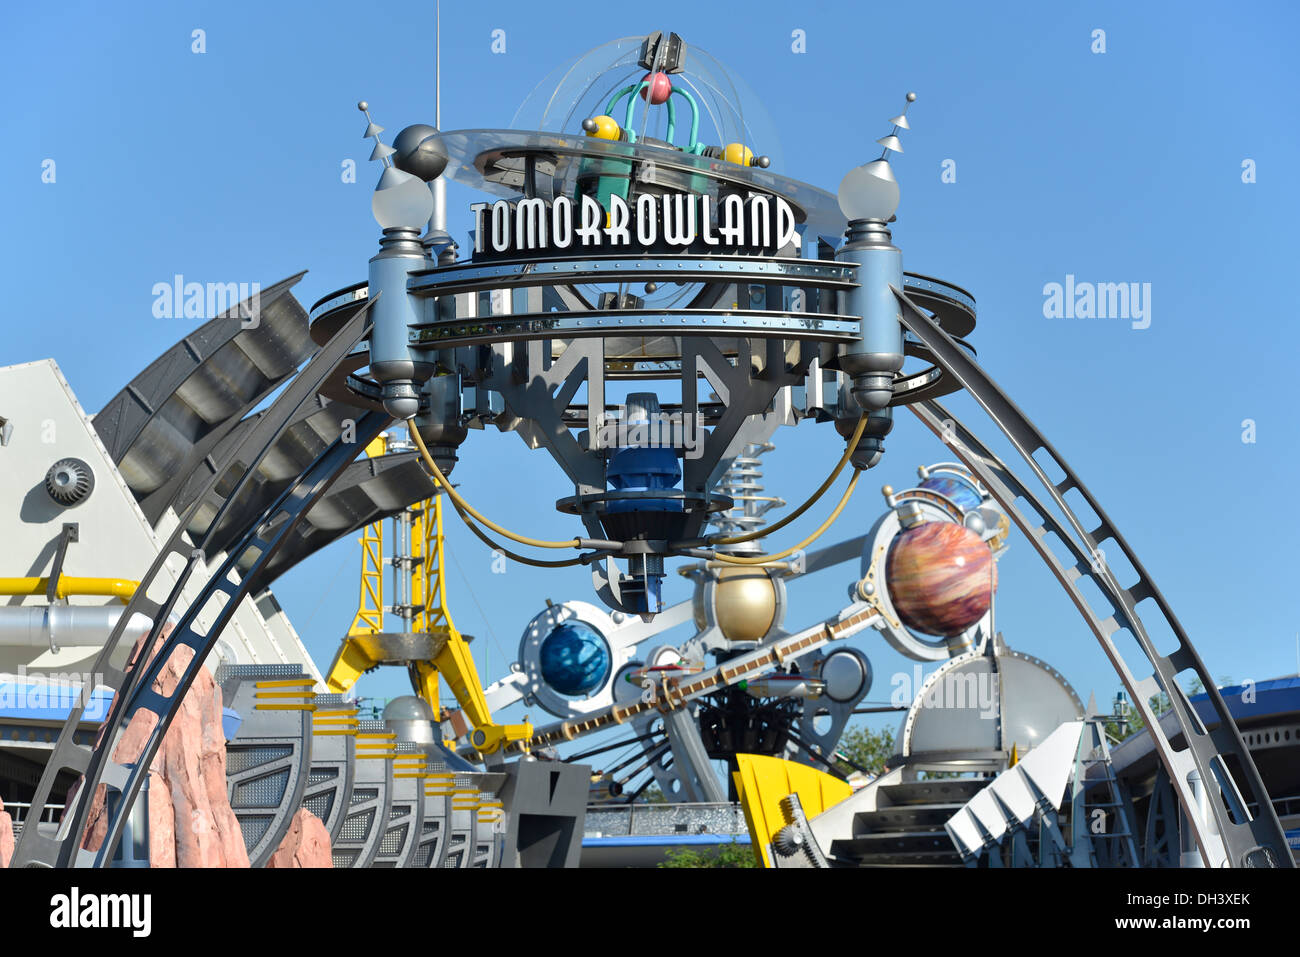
{"type": "Point", "coordinates": [429, 646]}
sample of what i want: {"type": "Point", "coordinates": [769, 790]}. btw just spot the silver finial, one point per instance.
{"type": "Point", "coordinates": [891, 142]}
{"type": "Point", "coordinates": [373, 129]}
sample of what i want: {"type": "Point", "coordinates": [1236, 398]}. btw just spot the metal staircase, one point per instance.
{"type": "Point", "coordinates": [906, 826]}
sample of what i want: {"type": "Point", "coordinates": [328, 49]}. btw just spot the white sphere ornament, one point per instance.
{"type": "Point", "coordinates": [869, 191]}
{"type": "Point", "coordinates": [401, 199]}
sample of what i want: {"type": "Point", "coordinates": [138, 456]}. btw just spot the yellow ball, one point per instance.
{"type": "Point", "coordinates": [606, 128]}
{"type": "Point", "coordinates": [744, 603]}
{"type": "Point", "coordinates": [737, 153]}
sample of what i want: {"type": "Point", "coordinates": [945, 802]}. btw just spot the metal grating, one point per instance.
{"type": "Point", "coordinates": [240, 759]}
{"type": "Point", "coordinates": [253, 828]}
{"type": "Point", "coordinates": [394, 840]}
{"type": "Point", "coordinates": [320, 805]}
{"type": "Point", "coordinates": [266, 791]}
{"type": "Point", "coordinates": [357, 826]}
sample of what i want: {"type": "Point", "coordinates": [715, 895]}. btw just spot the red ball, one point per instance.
{"type": "Point", "coordinates": [658, 89]}
{"type": "Point", "coordinates": [941, 577]}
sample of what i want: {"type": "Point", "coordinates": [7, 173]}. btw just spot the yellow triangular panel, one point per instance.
{"type": "Point", "coordinates": [761, 783]}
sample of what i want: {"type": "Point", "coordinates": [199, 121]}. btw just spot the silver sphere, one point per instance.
{"type": "Point", "coordinates": [363, 106]}
{"type": "Point", "coordinates": [418, 153]}
{"type": "Point", "coordinates": [763, 162]}
{"type": "Point", "coordinates": [402, 407]}
{"type": "Point", "coordinates": [651, 287]}
{"type": "Point", "coordinates": [911, 98]}
{"type": "Point", "coordinates": [589, 125]}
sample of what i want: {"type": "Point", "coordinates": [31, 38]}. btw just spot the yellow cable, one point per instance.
{"type": "Point", "coordinates": [462, 504]}
{"type": "Point", "coordinates": [764, 559]}
{"type": "Point", "coordinates": [535, 562]}
{"type": "Point", "coordinates": [830, 480]}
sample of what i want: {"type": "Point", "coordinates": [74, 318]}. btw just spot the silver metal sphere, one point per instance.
{"type": "Point", "coordinates": [911, 97]}
{"type": "Point", "coordinates": [408, 708]}
{"type": "Point", "coordinates": [417, 152]}
{"type": "Point", "coordinates": [403, 407]}
{"type": "Point", "coordinates": [651, 287]}
{"type": "Point", "coordinates": [589, 125]}
{"type": "Point", "coordinates": [363, 106]}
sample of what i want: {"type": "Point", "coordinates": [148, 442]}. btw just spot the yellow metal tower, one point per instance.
{"type": "Point", "coordinates": [447, 654]}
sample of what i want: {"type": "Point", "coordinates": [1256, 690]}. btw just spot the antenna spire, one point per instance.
{"type": "Point", "coordinates": [380, 152]}
{"type": "Point", "coordinates": [890, 142]}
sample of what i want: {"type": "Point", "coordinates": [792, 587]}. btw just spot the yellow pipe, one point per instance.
{"type": "Point", "coordinates": [120, 588]}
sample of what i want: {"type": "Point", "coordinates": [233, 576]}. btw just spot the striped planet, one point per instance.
{"type": "Point", "coordinates": [941, 577]}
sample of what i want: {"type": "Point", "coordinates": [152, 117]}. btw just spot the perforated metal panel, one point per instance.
{"type": "Point", "coordinates": [321, 805]}
{"type": "Point", "coordinates": [262, 792]}
{"type": "Point", "coordinates": [241, 759]}
{"type": "Point", "coordinates": [356, 827]}
{"type": "Point", "coordinates": [253, 828]}
{"type": "Point", "coordinates": [394, 840]}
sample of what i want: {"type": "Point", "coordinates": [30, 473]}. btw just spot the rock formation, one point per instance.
{"type": "Point", "coordinates": [306, 845]}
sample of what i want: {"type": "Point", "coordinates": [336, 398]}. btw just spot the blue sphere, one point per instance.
{"type": "Point", "coordinates": [575, 659]}
{"type": "Point", "coordinates": [959, 491]}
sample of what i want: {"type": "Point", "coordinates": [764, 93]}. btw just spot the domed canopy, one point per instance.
{"type": "Point", "coordinates": [729, 111]}
{"type": "Point", "coordinates": [408, 708]}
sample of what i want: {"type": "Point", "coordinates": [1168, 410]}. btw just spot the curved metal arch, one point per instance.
{"type": "Point", "coordinates": [134, 683]}
{"type": "Point", "coordinates": [1247, 841]}
{"type": "Point", "coordinates": [185, 402]}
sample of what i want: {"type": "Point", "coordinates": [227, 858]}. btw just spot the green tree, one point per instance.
{"type": "Point", "coordinates": [866, 748]}
{"type": "Point", "coordinates": [653, 795]}
{"type": "Point", "coordinates": [724, 855]}
{"type": "Point", "coordinates": [1128, 720]}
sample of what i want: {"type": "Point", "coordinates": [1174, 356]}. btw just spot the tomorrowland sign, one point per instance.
{"type": "Point", "coordinates": [753, 224]}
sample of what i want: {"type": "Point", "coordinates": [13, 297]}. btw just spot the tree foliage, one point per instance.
{"type": "Point", "coordinates": [866, 748]}
{"type": "Point", "coordinates": [724, 855]}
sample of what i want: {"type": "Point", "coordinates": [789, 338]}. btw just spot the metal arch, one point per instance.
{"type": "Point", "coordinates": [266, 534]}
{"type": "Point", "coordinates": [369, 490]}
{"type": "Point", "coordinates": [133, 684]}
{"type": "Point", "coordinates": [200, 387]}
{"type": "Point", "coordinates": [1257, 841]}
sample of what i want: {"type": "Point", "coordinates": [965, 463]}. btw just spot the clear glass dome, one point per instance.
{"type": "Point", "coordinates": [728, 110]}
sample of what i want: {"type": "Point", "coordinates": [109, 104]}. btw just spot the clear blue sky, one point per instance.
{"type": "Point", "coordinates": [1117, 167]}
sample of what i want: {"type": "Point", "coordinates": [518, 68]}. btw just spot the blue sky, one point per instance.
{"type": "Point", "coordinates": [1122, 166]}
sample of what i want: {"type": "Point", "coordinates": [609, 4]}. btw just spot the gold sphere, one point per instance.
{"type": "Point", "coordinates": [744, 603]}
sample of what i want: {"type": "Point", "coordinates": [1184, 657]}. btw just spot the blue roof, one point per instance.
{"type": "Point", "coordinates": [665, 840]}
{"type": "Point", "coordinates": [1273, 696]}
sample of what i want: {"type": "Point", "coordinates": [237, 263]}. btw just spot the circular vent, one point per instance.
{"type": "Point", "coordinates": [69, 481]}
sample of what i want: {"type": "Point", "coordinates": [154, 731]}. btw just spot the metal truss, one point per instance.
{"type": "Point", "coordinates": [1242, 840]}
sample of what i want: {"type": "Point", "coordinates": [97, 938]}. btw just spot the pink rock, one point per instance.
{"type": "Point", "coordinates": [306, 845]}
{"type": "Point", "coordinates": [191, 823]}
{"type": "Point", "coordinates": [6, 836]}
